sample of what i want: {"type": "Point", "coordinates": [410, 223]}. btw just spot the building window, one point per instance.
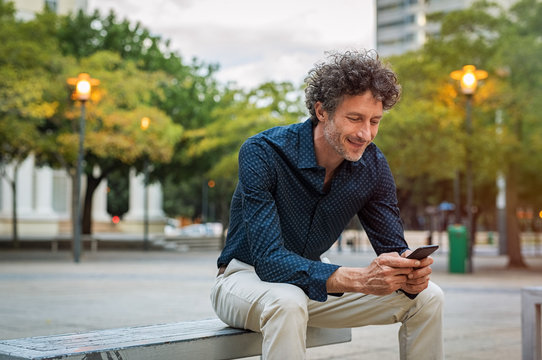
{"type": "Point", "coordinates": [389, 7]}
{"type": "Point", "coordinates": [51, 5]}
{"type": "Point", "coordinates": [406, 20]}
{"type": "Point", "coordinates": [397, 5]}
{"type": "Point", "coordinates": [409, 38]}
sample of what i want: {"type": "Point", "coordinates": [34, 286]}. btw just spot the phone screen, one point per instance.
{"type": "Point", "coordinates": [422, 252]}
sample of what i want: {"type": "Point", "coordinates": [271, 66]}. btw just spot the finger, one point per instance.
{"type": "Point", "coordinates": [426, 261]}
{"type": "Point", "coordinates": [420, 272]}
{"type": "Point", "coordinates": [415, 289]}
{"type": "Point", "coordinates": [398, 282]}
{"type": "Point", "coordinates": [389, 271]}
{"type": "Point", "coordinates": [418, 281]}
{"type": "Point", "coordinates": [398, 262]}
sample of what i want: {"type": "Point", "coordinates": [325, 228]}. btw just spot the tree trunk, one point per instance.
{"type": "Point", "coordinates": [15, 239]}
{"type": "Point", "coordinates": [92, 185]}
{"type": "Point", "coordinates": [513, 236]}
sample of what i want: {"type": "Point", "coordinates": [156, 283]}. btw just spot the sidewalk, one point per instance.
{"type": "Point", "coordinates": [46, 293]}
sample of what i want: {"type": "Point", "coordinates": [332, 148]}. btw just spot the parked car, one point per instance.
{"type": "Point", "coordinates": [211, 229]}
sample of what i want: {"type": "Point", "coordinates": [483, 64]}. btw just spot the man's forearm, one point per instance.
{"type": "Point", "coordinates": [345, 279]}
{"type": "Point", "coordinates": [387, 273]}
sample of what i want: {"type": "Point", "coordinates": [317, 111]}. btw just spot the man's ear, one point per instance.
{"type": "Point", "coordinates": [321, 114]}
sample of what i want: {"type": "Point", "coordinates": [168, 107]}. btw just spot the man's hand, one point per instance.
{"type": "Point", "coordinates": [418, 280]}
{"type": "Point", "coordinates": [386, 274]}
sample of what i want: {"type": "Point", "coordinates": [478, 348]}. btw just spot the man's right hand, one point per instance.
{"type": "Point", "coordinates": [386, 274]}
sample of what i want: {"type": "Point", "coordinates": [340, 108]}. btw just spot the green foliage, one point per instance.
{"type": "Point", "coordinates": [36, 115]}
{"type": "Point", "coordinates": [198, 125]}
{"type": "Point", "coordinates": [82, 35]}
{"type": "Point", "coordinates": [26, 71]}
{"type": "Point", "coordinates": [425, 138]}
{"type": "Point", "coordinates": [113, 116]}
{"type": "Point", "coordinates": [186, 94]}
{"type": "Point", "coordinates": [212, 149]}
{"type": "Point", "coordinates": [183, 198]}
{"type": "Point", "coordinates": [420, 136]}
{"type": "Point", "coordinates": [139, 77]}
{"type": "Point", "coordinates": [118, 194]}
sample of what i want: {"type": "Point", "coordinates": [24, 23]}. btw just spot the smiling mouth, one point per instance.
{"type": "Point", "coordinates": [358, 143]}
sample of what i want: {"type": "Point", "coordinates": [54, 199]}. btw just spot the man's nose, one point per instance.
{"type": "Point", "coordinates": [364, 132]}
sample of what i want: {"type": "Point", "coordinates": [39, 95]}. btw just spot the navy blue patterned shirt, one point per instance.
{"type": "Point", "coordinates": [282, 219]}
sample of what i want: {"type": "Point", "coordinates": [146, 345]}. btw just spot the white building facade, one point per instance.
{"type": "Point", "coordinates": [27, 8]}
{"type": "Point", "coordinates": [44, 198]}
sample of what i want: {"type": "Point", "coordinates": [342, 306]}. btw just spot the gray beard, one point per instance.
{"type": "Point", "coordinates": [332, 139]}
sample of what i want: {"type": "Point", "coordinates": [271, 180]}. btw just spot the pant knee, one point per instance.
{"type": "Point", "coordinates": [432, 300]}
{"type": "Point", "coordinates": [288, 309]}
{"type": "Point", "coordinates": [436, 295]}
{"type": "Point", "coordinates": [284, 327]}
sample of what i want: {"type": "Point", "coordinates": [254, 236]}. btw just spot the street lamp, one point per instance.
{"type": "Point", "coordinates": [83, 88]}
{"type": "Point", "coordinates": [145, 123]}
{"type": "Point", "coordinates": [468, 77]}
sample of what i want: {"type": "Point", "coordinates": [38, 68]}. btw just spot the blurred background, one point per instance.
{"type": "Point", "coordinates": [129, 115]}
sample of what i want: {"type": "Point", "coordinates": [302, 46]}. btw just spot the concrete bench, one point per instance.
{"type": "Point", "coordinates": [205, 339]}
{"type": "Point", "coordinates": [6, 240]}
{"type": "Point", "coordinates": [54, 240]}
{"type": "Point", "coordinates": [531, 334]}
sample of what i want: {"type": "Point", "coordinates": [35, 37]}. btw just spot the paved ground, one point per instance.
{"type": "Point", "coordinates": [46, 293]}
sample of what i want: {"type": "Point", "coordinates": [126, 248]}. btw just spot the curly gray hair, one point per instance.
{"type": "Point", "coordinates": [350, 73]}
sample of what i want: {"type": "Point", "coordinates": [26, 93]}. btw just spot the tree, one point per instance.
{"type": "Point", "coordinates": [214, 148]}
{"type": "Point", "coordinates": [421, 134]}
{"type": "Point", "coordinates": [26, 64]}
{"type": "Point", "coordinates": [518, 59]}
{"type": "Point", "coordinates": [424, 137]}
{"type": "Point", "coordinates": [82, 35]}
{"type": "Point", "coordinates": [114, 139]}
{"type": "Point", "coordinates": [187, 94]}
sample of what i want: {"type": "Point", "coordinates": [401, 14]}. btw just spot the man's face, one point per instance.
{"type": "Point", "coordinates": [353, 126]}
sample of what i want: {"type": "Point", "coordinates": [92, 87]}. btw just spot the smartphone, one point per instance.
{"type": "Point", "coordinates": [422, 252]}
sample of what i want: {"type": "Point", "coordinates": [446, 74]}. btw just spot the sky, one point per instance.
{"type": "Point", "coordinates": [253, 41]}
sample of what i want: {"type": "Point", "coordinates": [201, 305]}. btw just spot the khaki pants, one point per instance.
{"type": "Point", "coordinates": [282, 312]}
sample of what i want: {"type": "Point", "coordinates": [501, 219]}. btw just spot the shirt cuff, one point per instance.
{"type": "Point", "coordinates": [409, 295]}
{"type": "Point", "coordinates": [320, 272]}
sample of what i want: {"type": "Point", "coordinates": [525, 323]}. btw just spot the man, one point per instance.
{"type": "Point", "coordinates": [299, 186]}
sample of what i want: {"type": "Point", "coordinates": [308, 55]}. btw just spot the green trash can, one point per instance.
{"type": "Point", "coordinates": [457, 242]}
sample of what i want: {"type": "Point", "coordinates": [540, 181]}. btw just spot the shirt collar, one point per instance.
{"type": "Point", "coordinates": [307, 156]}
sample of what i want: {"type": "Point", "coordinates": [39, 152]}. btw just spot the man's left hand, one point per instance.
{"type": "Point", "coordinates": [418, 280]}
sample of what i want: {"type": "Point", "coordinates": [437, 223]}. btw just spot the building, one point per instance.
{"type": "Point", "coordinates": [44, 203]}
{"type": "Point", "coordinates": [44, 194]}
{"type": "Point", "coordinates": [402, 26]}
{"type": "Point", "coordinates": [27, 8]}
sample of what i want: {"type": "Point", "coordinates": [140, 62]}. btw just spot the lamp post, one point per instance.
{"type": "Point", "coordinates": [468, 77]}
{"type": "Point", "coordinates": [145, 123]}
{"type": "Point", "coordinates": [83, 88]}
